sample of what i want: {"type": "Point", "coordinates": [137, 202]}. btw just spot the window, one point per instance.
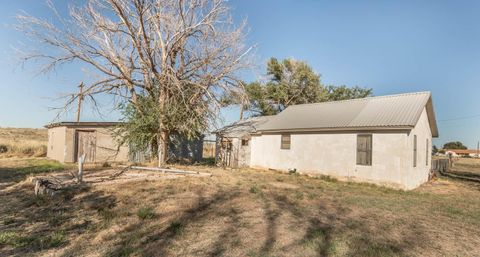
{"type": "Point", "coordinates": [426, 153]}
{"type": "Point", "coordinates": [364, 150]}
{"type": "Point", "coordinates": [244, 142]}
{"type": "Point", "coordinates": [285, 143]}
{"type": "Point", "coordinates": [414, 150]}
{"type": "Point", "coordinates": [226, 144]}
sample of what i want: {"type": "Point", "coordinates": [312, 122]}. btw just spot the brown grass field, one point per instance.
{"type": "Point", "coordinates": [233, 213]}
{"type": "Point", "coordinates": [241, 212]}
{"type": "Point", "coordinates": [23, 142]}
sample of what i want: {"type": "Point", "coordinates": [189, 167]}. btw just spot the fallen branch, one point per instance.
{"type": "Point", "coordinates": [175, 171]}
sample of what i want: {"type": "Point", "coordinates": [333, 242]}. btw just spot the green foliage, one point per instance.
{"type": "Point", "coordinates": [454, 145]}
{"type": "Point", "coordinates": [7, 237]}
{"type": "Point", "coordinates": [345, 93]}
{"type": "Point", "coordinates": [294, 82]}
{"type": "Point", "coordinates": [434, 149]}
{"type": "Point", "coordinates": [145, 213]}
{"type": "Point", "coordinates": [35, 166]}
{"type": "Point", "coordinates": [175, 227]}
{"type": "Point", "coordinates": [3, 148]}
{"type": "Point", "coordinates": [140, 125]}
{"type": "Point", "coordinates": [143, 121]}
{"type": "Point", "coordinates": [254, 189]}
{"type": "Point", "coordinates": [55, 239]}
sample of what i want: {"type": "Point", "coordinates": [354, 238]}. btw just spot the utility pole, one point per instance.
{"type": "Point", "coordinates": [80, 99]}
{"type": "Point", "coordinates": [478, 146]}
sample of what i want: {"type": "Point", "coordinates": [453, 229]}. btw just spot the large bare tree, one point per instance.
{"type": "Point", "coordinates": [184, 54]}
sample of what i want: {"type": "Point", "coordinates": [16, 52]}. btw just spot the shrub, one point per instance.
{"type": "Point", "coordinates": [56, 239]}
{"type": "Point", "coordinates": [27, 150]}
{"type": "Point", "coordinates": [145, 213]}
{"type": "Point", "coordinates": [254, 189]}
{"type": "Point", "coordinates": [175, 227]}
{"type": "Point", "coordinates": [3, 148]}
{"type": "Point", "coordinates": [328, 178]}
{"type": "Point", "coordinates": [7, 238]}
{"type": "Point", "coordinates": [40, 151]}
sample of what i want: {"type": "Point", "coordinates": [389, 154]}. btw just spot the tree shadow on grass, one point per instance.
{"type": "Point", "coordinates": [152, 239]}
{"type": "Point", "coordinates": [326, 226]}
{"type": "Point", "coordinates": [17, 174]}
{"type": "Point", "coordinates": [52, 217]}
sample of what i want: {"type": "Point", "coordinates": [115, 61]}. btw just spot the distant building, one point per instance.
{"type": "Point", "coordinates": [385, 140]}
{"type": "Point", "coordinates": [69, 140]}
{"type": "Point", "coordinates": [462, 152]}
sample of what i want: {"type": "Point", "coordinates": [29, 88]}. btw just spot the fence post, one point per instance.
{"type": "Point", "coordinates": [80, 168]}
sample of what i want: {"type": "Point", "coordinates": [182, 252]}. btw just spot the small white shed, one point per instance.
{"type": "Point", "coordinates": [233, 142]}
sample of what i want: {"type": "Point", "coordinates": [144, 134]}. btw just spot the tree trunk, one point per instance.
{"type": "Point", "coordinates": [241, 111]}
{"type": "Point", "coordinates": [163, 141]}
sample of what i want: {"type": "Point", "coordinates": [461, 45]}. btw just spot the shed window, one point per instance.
{"type": "Point", "coordinates": [285, 143]}
{"type": "Point", "coordinates": [426, 153]}
{"type": "Point", "coordinates": [364, 150]}
{"type": "Point", "coordinates": [52, 141]}
{"type": "Point", "coordinates": [414, 150]}
{"type": "Point", "coordinates": [244, 142]}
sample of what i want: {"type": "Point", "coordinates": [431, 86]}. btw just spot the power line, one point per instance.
{"type": "Point", "coordinates": [461, 118]}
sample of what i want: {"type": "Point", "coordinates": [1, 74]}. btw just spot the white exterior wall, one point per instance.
{"type": "Point", "coordinates": [61, 145]}
{"type": "Point", "coordinates": [240, 154]}
{"type": "Point", "coordinates": [334, 154]}
{"type": "Point", "coordinates": [419, 174]}
{"type": "Point", "coordinates": [56, 148]}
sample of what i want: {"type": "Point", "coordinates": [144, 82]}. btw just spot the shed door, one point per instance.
{"type": "Point", "coordinates": [86, 141]}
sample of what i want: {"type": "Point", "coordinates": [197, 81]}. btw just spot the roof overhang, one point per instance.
{"type": "Point", "coordinates": [432, 121]}
{"type": "Point", "coordinates": [82, 124]}
{"type": "Point", "coordinates": [340, 130]}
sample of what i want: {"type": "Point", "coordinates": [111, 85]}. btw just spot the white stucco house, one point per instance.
{"type": "Point", "coordinates": [384, 140]}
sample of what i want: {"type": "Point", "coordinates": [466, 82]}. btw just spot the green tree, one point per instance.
{"type": "Point", "coordinates": [454, 145]}
{"type": "Point", "coordinates": [292, 82]}
{"type": "Point", "coordinates": [344, 93]}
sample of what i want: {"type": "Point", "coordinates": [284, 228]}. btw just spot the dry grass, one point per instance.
{"type": "Point", "coordinates": [23, 142]}
{"type": "Point", "coordinates": [471, 165]}
{"type": "Point", "coordinates": [239, 213]}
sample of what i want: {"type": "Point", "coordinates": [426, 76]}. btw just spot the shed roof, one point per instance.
{"type": "Point", "coordinates": [243, 127]}
{"type": "Point", "coordinates": [82, 124]}
{"type": "Point", "coordinates": [401, 111]}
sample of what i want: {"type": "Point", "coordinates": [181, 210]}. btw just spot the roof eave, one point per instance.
{"type": "Point", "coordinates": [82, 124]}
{"type": "Point", "coordinates": [338, 129]}
{"type": "Point", "coordinates": [432, 121]}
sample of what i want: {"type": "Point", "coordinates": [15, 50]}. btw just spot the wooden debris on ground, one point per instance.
{"type": "Point", "coordinates": [174, 171]}
{"type": "Point", "coordinates": [46, 187]}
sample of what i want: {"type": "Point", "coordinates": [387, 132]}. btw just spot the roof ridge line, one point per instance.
{"type": "Point", "coordinates": [363, 98]}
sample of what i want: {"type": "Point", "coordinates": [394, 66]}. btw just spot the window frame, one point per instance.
{"type": "Point", "coordinates": [368, 151]}
{"type": "Point", "coordinates": [415, 151]}
{"type": "Point", "coordinates": [285, 144]}
{"type": "Point", "coordinates": [426, 152]}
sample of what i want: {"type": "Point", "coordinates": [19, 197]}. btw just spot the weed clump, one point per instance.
{"type": "Point", "coordinates": [145, 213]}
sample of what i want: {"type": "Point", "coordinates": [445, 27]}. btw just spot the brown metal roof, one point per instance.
{"type": "Point", "coordinates": [82, 124]}
{"type": "Point", "coordinates": [400, 111]}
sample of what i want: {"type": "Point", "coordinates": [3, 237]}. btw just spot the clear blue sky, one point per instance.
{"type": "Point", "coordinates": [390, 46]}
